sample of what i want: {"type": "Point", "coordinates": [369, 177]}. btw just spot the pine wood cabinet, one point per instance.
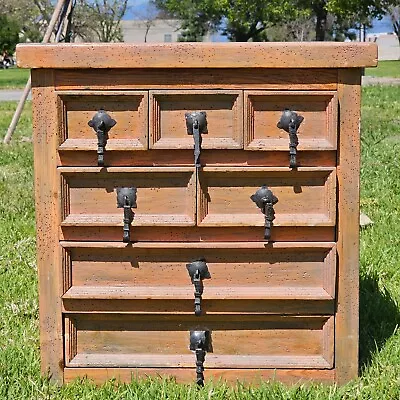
{"type": "Point", "coordinates": [197, 209]}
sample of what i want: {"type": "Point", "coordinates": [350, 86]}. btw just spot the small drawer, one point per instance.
{"type": "Point", "coordinates": [164, 196]}
{"type": "Point", "coordinates": [224, 110]}
{"type": "Point", "coordinates": [129, 109]}
{"type": "Point", "coordinates": [263, 110]}
{"type": "Point", "coordinates": [101, 340]}
{"type": "Point", "coordinates": [306, 196]}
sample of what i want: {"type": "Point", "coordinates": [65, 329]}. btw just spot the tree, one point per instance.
{"type": "Point", "coordinates": [9, 34]}
{"type": "Point", "coordinates": [239, 20]}
{"type": "Point", "coordinates": [394, 13]}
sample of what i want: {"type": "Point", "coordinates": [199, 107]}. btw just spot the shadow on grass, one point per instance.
{"type": "Point", "coordinates": [379, 316]}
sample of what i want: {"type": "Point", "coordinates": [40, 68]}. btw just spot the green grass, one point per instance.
{"type": "Point", "coordinates": [13, 78]}
{"type": "Point", "coordinates": [379, 283]}
{"type": "Point", "coordinates": [390, 69]}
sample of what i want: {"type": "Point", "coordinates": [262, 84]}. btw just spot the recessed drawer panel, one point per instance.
{"type": "Point", "coordinates": [224, 118]}
{"type": "Point", "coordinates": [163, 341]}
{"type": "Point", "coordinates": [263, 110]}
{"type": "Point", "coordinates": [290, 271]}
{"type": "Point", "coordinates": [306, 196]}
{"type": "Point", "coordinates": [128, 109]}
{"type": "Point", "coordinates": [165, 196]}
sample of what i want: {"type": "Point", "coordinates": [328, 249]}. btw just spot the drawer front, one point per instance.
{"type": "Point", "coordinates": [306, 196]}
{"type": "Point", "coordinates": [224, 111]}
{"type": "Point", "coordinates": [128, 109]}
{"type": "Point", "coordinates": [289, 271]}
{"type": "Point", "coordinates": [235, 342]}
{"type": "Point", "coordinates": [165, 196]}
{"type": "Point", "coordinates": [263, 110]}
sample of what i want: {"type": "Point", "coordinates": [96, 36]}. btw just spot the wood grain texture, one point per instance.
{"type": "Point", "coordinates": [186, 375]}
{"type": "Point", "coordinates": [263, 110]}
{"type": "Point", "coordinates": [198, 55]}
{"type": "Point", "coordinates": [224, 110]}
{"type": "Point", "coordinates": [346, 339]}
{"type": "Point", "coordinates": [128, 109]}
{"type": "Point", "coordinates": [47, 201]}
{"type": "Point", "coordinates": [196, 78]}
{"type": "Point", "coordinates": [121, 156]}
{"type": "Point", "coordinates": [236, 342]}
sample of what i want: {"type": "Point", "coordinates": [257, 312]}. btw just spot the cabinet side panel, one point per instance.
{"type": "Point", "coordinates": [348, 171]}
{"type": "Point", "coordinates": [47, 192]}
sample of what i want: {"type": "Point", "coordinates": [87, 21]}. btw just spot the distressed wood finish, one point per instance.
{"type": "Point", "coordinates": [349, 93]}
{"type": "Point", "coordinates": [283, 309]}
{"type": "Point", "coordinates": [47, 198]}
{"type": "Point", "coordinates": [265, 341]}
{"type": "Point", "coordinates": [198, 55]}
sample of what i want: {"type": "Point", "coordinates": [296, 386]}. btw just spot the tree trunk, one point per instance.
{"type": "Point", "coordinates": [320, 26]}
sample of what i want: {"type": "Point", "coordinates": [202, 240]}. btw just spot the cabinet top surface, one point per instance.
{"type": "Point", "coordinates": [198, 55]}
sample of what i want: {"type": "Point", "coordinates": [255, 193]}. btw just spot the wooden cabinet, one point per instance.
{"type": "Point", "coordinates": [198, 205]}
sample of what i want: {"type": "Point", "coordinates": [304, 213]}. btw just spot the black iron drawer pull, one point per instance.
{"type": "Point", "coordinates": [290, 122]}
{"type": "Point", "coordinates": [196, 125]}
{"type": "Point", "coordinates": [198, 271]}
{"type": "Point", "coordinates": [101, 123]}
{"type": "Point", "coordinates": [200, 343]}
{"type": "Point", "coordinates": [265, 201]}
{"type": "Point", "coordinates": [126, 199]}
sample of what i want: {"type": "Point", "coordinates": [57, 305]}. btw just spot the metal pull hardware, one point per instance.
{"type": "Point", "coordinates": [196, 124]}
{"type": "Point", "coordinates": [200, 343]}
{"type": "Point", "coordinates": [290, 122]}
{"type": "Point", "coordinates": [126, 199]}
{"type": "Point", "coordinates": [101, 123]}
{"type": "Point", "coordinates": [265, 201]}
{"type": "Point", "coordinates": [198, 271]}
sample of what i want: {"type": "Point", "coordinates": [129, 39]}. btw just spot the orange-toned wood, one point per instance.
{"type": "Point", "coordinates": [128, 109]}
{"type": "Point", "coordinates": [197, 78]}
{"type": "Point", "coordinates": [47, 197]}
{"type": "Point", "coordinates": [224, 110]}
{"type": "Point", "coordinates": [161, 158]}
{"type": "Point", "coordinates": [187, 375]}
{"type": "Point", "coordinates": [263, 111]}
{"type": "Point", "coordinates": [346, 339]}
{"type": "Point", "coordinates": [306, 196]}
{"type": "Point", "coordinates": [165, 196]}
{"type": "Point", "coordinates": [239, 270]}
{"type": "Point", "coordinates": [198, 55]}
{"type": "Point", "coordinates": [250, 341]}
{"type": "Point", "coordinates": [193, 233]}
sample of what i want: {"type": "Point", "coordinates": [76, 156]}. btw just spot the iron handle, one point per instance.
{"type": "Point", "coordinates": [126, 199]}
{"type": "Point", "coordinates": [198, 270]}
{"type": "Point", "coordinates": [290, 122]}
{"type": "Point", "coordinates": [196, 125]}
{"type": "Point", "coordinates": [101, 123]}
{"type": "Point", "coordinates": [265, 201]}
{"type": "Point", "coordinates": [200, 343]}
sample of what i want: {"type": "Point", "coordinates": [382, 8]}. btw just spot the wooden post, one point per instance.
{"type": "Point", "coordinates": [46, 39]}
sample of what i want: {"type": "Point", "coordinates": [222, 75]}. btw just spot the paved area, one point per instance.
{"type": "Point", "coordinates": [11, 95]}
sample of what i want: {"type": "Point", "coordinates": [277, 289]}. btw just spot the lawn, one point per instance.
{"type": "Point", "coordinates": [389, 69]}
{"type": "Point", "coordinates": [13, 78]}
{"type": "Point", "coordinates": [379, 279]}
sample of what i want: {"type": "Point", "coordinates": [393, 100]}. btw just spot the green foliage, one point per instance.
{"type": "Point", "coordinates": [9, 37]}
{"type": "Point", "coordinates": [240, 20]}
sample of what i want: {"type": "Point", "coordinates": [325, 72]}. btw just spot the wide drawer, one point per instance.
{"type": "Point", "coordinates": [101, 340]}
{"type": "Point", "coordinates": [129, 109]}
{"type": "Point", "coordinates": [237, 271]}
{"type": "Point", "coordinates": [165, 196]}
